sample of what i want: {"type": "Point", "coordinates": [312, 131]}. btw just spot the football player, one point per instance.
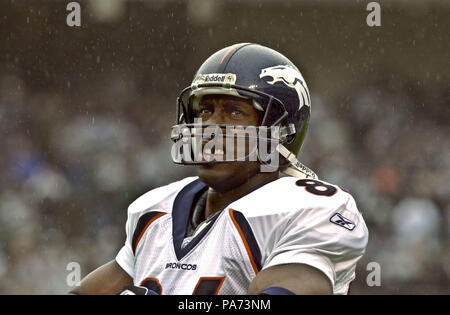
{"type": "Point", "coordinates": [255, 220]}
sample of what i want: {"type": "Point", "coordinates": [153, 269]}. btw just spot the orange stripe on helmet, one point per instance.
{"type": "Point", "coordinates": [229, 50]}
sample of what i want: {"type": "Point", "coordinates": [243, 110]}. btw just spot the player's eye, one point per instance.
{"type": "Point", "coordinates": [236, 112]}
{"type": "Point", "coordinates": [203, 112]}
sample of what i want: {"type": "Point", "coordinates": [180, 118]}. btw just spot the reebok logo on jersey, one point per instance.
{"type": "Point", "coordinates": [181, 266]}
{"type": "Point", "coordinates": [342, 221]}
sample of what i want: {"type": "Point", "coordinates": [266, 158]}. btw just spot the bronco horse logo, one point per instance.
{"type": "Point", "coordinates": [292, 78]}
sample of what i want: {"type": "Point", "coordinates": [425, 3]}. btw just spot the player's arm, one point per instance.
{"type": "Point", "coordinates": [107, 279]}
{"type": "Point", "coordinates": [297, 278]}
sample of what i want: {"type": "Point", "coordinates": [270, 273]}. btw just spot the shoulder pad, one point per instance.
{"type": "Point", "coordinates": [290, 194]}
{"type": "Point", "coordinates": [158, 196]}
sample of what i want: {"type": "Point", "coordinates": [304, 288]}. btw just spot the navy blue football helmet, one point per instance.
{"type": "Point", "coordinates": [265, 78]}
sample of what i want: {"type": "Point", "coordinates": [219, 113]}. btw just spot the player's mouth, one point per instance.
{"type": "Point", "coordinates": [213, 151]}
{"type": "Point", "coordinates": [213, 154]}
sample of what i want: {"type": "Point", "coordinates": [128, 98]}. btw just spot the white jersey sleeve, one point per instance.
{"type": "Point", "coordinates": [153, 200]}
{"type": "Point", "coordinates": [314, 223]}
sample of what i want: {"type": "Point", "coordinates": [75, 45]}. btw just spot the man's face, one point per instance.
{"type": "Point", "coordinates": [222, 109]}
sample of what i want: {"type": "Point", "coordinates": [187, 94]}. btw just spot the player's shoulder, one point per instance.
{"type": "Point", "coordinates": [311, 188]}
{"type": "Point", "coordinates": [158, 197]}
{"type": "Point", "coordinates": [311, 206]}
{"type": "Point", "coordinates": [291, 194]}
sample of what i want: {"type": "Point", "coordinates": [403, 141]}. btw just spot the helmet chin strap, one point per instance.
{"type": "Point", "coordinates": [296, 169]}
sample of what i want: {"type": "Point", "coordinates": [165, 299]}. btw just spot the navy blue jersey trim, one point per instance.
{"type": "Point", "coordinates": [180, 217]}
{"type": "Point", "coordinates": [249, 237]}
{"type": "Point", "coordinates": [142, 224]}
{"type": "Point", "coordinates": [181, 214]}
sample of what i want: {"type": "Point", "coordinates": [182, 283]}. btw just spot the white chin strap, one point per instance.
{"type": "Point", "coordinates": [296, 169]}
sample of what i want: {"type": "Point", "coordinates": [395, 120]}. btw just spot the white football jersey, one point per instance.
{"type": "Point", "coordinates": [289, 220]}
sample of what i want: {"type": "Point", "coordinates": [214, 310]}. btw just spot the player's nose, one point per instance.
{"type": "Point", "coordinates": [218, 116]}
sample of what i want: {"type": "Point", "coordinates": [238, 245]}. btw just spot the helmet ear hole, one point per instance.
{"type": "Point", "coordinates": [290, 139]}
{"type": "Point", "coordinates": [273, 114]}
{"type": "Point", "coordinates": [295, 144]}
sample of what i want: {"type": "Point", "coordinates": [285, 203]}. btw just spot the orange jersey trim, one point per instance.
{"type": "Point", "coordinates": [146, 227]}
{"type": "Point", "coordinates": [244, 240]}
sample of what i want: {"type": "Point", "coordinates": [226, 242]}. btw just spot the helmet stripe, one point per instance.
{"type": "Point", "coordinates": [229, 50]}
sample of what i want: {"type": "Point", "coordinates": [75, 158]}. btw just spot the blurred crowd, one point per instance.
{"type": "Point", "coordinates": [67, 180]}
{"type": "Point", "coordinates": [79, 145]}
{"type": "Point", "coordinates": [386, 142]}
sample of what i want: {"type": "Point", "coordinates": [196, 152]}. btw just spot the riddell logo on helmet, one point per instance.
{"type": "Point", "coordinates": [228, 78]}
{"type": "Point", "coordinates": [214, 78]}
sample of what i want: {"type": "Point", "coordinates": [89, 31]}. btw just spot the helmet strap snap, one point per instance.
{"type": "Point", "coordinates": [296, 168]}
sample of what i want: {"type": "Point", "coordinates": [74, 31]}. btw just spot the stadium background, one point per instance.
{"type": "Point", "coordinates": [85, 116]}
